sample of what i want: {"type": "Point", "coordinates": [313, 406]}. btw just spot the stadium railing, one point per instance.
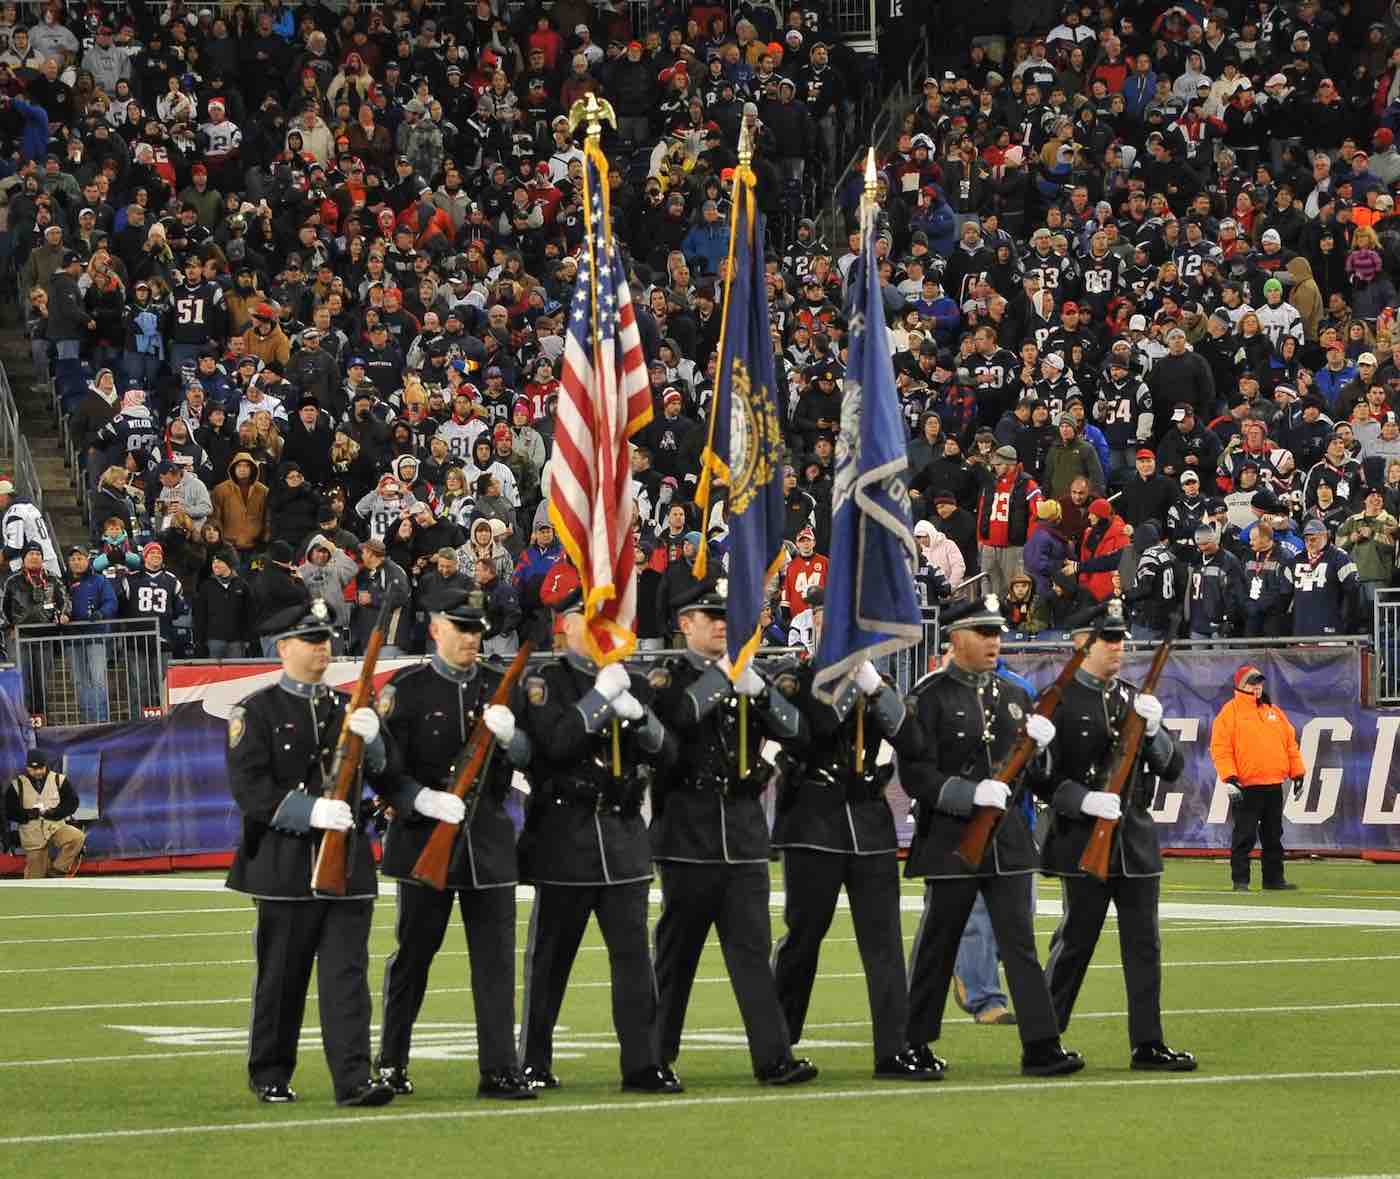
{"type": "Point", "coordinates": [883, 126]}
{"type": "Point", "coordinates": [1385, 639]}
{"type": "Point", "coordinates": [91, 673]}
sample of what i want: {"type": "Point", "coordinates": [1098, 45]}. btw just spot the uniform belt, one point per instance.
{"type": "Point", "coordinates": [855, 787]}
{"type": "Point", "coordinates": [589, 797]}
{"type": "Point", "coordinates": [736, 787]}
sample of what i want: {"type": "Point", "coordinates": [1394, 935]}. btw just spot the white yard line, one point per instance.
{"type": "Point", "coordinates": [624, 1105]}
{"type": "Point", "coordinates": [599, 984]}
{"type": "Point", "coordinates": [310, 1040]}
{"type": "Point", "coordinates": [1047, 906]}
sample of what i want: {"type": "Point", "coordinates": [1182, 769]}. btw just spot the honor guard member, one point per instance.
{"type": "Point", "coordinates": [584, 846]}
{"type": "Point", "coordinates": [281, 742]}
{"type": "Point", "coordinates": [835, 828]}
{"type": "Point", "coordinates": [968, 719]}
{"type": "Point", "coordinates": [709, 835]}
{"type": "Point", "coordinates": [1088, 721]}
{"type": "Point", "coordinates": [431, 711]}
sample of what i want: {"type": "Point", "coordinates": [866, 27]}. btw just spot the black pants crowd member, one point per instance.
{"type": "Point", "coordinates": [1257, 816]}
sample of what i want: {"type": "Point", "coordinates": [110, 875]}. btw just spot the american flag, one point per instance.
{"type": "Point", "coordinates": [606, 398]}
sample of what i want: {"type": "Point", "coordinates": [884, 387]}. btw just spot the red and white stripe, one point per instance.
{"type": "Point", "coordinates": [591, 492]}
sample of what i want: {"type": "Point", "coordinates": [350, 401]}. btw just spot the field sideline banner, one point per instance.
{"type": "Point", "coordinates": [162, 790]}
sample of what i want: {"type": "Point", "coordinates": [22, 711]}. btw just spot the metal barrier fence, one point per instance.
{"type": "Point", "coordinates": [91, 673]}
{"type": "Point", "coordinates": [15, 457]}
{"type": "Point", "coordinates": [1385, 637]}
{"type": "Point", "coordinates": [885, 123]}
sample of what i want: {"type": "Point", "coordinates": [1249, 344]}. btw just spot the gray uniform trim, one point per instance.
{"type": "Point", "coordinates": [888, 709]}
{"type": "Point", "coordinates": [787, 721]}
{"type": "Point", "coordinates": [651, 736]}
{"type": "Point", "coordinates": [294, 813]}
{"type": "Point", "coordinates": [711, 689]}
{"type": "Point", "coordinates": [846, 701]}
{"type": "Point", "coordinates": [595, 711]}
{"type": "Point", "coordinates": [956, 796]}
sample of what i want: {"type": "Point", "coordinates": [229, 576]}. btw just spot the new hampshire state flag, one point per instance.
{"type": "Point", "coordinates": [871, 605]}
{"type": "Point", "coordinates": [745, 442]}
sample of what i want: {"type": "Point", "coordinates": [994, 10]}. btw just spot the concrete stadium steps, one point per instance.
{"type": "Point", "coordinates": [41, 430]}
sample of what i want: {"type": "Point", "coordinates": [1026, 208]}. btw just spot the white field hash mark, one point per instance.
{"type": "Point", "coordinates": [625, 1105]}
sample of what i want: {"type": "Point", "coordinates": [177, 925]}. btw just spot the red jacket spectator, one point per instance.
{"type": "Point", "coordinates": [1099, 550]}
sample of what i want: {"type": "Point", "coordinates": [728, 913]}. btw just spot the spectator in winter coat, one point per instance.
{"type": "Point", "coordinates": [1372, 292]}
{"type": "Point", "coordinates": [939, 552]}
{"type": "Point", "coordinates": [1048, 549]}
{"type": "Point", "coordinates": [327, 572]}
{"type": "Point", "coordinates": [181, 491]}
{"type": "Point", "coordinates": [1179, 376]}
{"type": "Point", "coordinates": [1005, 514]}
{"type": "Point", "coordinates": [274, 589]}
{"type": "Point", "coordinates": [292, 507]}
{"type": "Point", "coordinates": [1069, 458]}
{"type": "Point", "coordinates": [1100, 551]}
{"type": "Point", "coordinates": [484, 543]}
{"type": "Point", "coordinates": [379, 578]}
{"type": "Point", "coordinates": [221, 611]}
{"type": "Point", "coordinates": [240, 507]}
{"type": "Point", "coordinates": [533, 565]}
{"type": "Point", "coordinates": [503, 613]}
{"type": "Point", "coordinates": [933, 217]}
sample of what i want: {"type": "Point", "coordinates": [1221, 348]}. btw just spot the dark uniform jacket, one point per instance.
{"type": "Point", "coordinates": [582, 825]}
{"type": "Point", "coordinates": [281, 742]}
{"type": "Point", "coordinates": [967, 724]}
{"type": "Point", "coordinates": [823, 803]}
{"type": "Point", "coordinates": [430, 712]}
{"type": "Point", "coordinates": [1087, 723]}
{"type": "Point", "coordinates": [704, 812]}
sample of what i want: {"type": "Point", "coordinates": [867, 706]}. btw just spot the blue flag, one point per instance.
{"type": "Point", "coordinates": [871, 606]}
{"type": "Point", "coordinates": [745, 444]}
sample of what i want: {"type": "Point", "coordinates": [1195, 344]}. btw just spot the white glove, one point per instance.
{"type": "Point", "coordinates": [612, 681]}
{"type": "Point", "coordinates": [330, 814]}
{"type": "Point", "coordinates": [501, 721]}
{"type": "Point", "coordinates": [868, 679]}
{"type": "Point", "coordinates": [364, 723]}
{"type": "Point", "coordinates": [990, 792]}
{"type": "Point", "coordinates": [440, 804]}
{"type": "Point", "coordinates": [1040, 729]}
{"type": "Point", "coordinates": [1100, 805]}
{"type": "Point", "coordinates": [1150, 709]}
{"type": "Point", "coordinates": [628, 707]}
{"type": "Point", "coordinates": [750, 683]}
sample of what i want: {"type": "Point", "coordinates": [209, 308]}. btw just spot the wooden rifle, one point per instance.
{"type": "Point", "coordinates": [982, 827]}
{"type": "Point", "coordinates": [436, 857]}
{"type": "Point", "coordinates": [328, 876]}
{"type": "Point", "coordinates": [1094, 861]}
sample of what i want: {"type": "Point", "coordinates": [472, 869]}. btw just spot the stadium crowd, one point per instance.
{"type": "Point", "coordinates": [300, 276]}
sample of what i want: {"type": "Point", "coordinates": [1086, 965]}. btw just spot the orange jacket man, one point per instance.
{"type": "Point", "coordinates": [1255, 752]}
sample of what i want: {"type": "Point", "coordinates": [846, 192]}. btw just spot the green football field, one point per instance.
{"type": "Point", "coordinates": [126, 1001]}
